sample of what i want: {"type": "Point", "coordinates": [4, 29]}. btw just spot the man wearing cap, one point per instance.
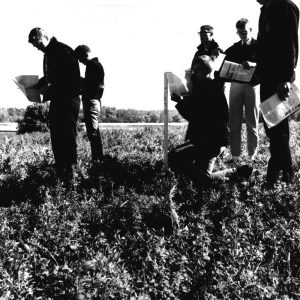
{"type": "Point", "coordinates": [92, 91]}
{"type": "Point", "coordinates": [62, 74]}
{"type": "Point", "coordinates": [277, 55]}
{"type": "Point", "coordinates": [208, 46]}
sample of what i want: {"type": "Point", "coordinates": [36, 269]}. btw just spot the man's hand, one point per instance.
{"type": "Point", "coordinates": [46, 91]}
{"type": "Point", "coordinates": [41, 82]}
{"type": "Point", "coordinates": [248, 64]}
{"type": "Point", "coordinates": [283, 90]}
{"type": "Point", "coordinates": [175, 98]}
{"type": "Point", "coordinates": [222, 150]}
{"type": "Point", "coordinates": [216, 52]}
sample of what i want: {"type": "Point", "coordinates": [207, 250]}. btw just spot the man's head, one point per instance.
{"type": "Point", "coordinates": [202, 66]}
{"type": "Point", "coordinates": [39, 38]}
{"type": "Point", "coordinates": [206, 33]}
{"type": "Point", "coordinates": [243, 29]}
{"type": "Point", "coordinates": [83, 53]}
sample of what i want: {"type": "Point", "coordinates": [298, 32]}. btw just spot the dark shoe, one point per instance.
{"type": "Point", "coordinates": [234, 160]}
{"type": "Point", "coordinates": [244, 172]}
{"type": "Point", "coordinates": [70, 176]}
{"type": "Point", "coordinates": [96, 168]}
{"type": "Point", "coordinates": [66, 174]}
{"type": "Point", "coordinates": [273, 175]}
{"type": "Point", "coordinates": [97, 161]}
{"type": "Point", "coordinates": [287, 176]}
{"type": "Point", "coordinates": [268, 185]}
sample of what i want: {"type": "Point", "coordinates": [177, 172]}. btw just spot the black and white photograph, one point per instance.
{"type": "Point", "coordinates": [150, 149]}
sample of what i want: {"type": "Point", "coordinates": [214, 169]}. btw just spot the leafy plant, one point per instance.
{"type": "Point", "coordinates": [35, 119]}
{"type": "Point", "coordinates": [110, 235]}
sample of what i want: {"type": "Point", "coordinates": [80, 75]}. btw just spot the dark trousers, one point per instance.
{"type": "Point", "coordinates": [91, 110]}
{"type": "Point", "coordinates": [279, 136]}
{"type": "Point", "coordinates": [63, 116]}
{"type": "Point", "coordinates": [197, 163]}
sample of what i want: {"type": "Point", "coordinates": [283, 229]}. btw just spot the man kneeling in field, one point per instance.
{"type": "Point", "coordinates": [205, 108]}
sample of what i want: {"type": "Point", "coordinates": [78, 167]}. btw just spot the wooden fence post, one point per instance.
{"type": "Point", "coordinates": [166, 119]}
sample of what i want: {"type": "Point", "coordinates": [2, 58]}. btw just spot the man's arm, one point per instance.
{"type": "Point", "coordinates": [290, 44]}
{"type": "Point", "coordinates": [94, 77]}
{"type": "Point", "coordinates": [185, 107]}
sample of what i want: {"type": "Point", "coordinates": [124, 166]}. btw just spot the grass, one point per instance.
{"type": "Point", "coordinates": [111, 236]}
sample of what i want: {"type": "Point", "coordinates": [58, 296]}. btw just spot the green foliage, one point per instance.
{"type": "Point", "coordinates": [110, 235]}
{"type": "Point", "coordinates": [114, 115]}
{"type": "Point", "coordinates": [11, 114]}
{"type": "Point", "coordinates": [35, 119]}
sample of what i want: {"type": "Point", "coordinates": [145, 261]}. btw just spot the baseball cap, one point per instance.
{"type": "Point", "coordinates": [206, 28]}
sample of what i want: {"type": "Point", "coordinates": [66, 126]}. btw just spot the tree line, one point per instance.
{"type": "Point", "coordinates": [11, 114]}
{"type": "Point", "coordinates": [35, 116]}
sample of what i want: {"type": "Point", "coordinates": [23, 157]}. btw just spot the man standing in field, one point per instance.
{"type": "Point", "coordinates": [62, 75]}
{"type": "Point", "coordinates": [277, 55]}
{"type": "Point", "coordinates": [243, 96]}
{"type": "Point", "coordinates": [92, 91]}
{"type": "Point", "coordinates": [207, 46]}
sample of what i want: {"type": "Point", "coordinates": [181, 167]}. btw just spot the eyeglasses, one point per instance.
{"type": "Point", "coordinates": [242, 32]}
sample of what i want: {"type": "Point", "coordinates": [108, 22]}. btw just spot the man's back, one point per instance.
{"type": "Point", "coordinates": [277, 42]}
{"type": "Point", "coordinates": [62, 69]}
{"type": "Point", "coordinates": [206, 110]}
{"type": "Point", "coordinates": [93, 83]}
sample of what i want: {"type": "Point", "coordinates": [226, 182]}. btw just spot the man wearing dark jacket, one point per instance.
{"type": "Point", "coordinates": [208, 46]}
{"type": "Point", "coordinates": [62, 75]}
{"type": "Point", "coordinates": [277, 55]}
{"type": "Point", "coordinates": [93, 86]}
{"type": "Point", "coordinates": [206, 135]}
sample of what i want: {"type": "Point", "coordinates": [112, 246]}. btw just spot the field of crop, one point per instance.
{"type": "Point", "coordinates": [110, 236]}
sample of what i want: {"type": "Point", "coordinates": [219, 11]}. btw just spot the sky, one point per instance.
{"type": "Point", "coordinates": [135, 40]}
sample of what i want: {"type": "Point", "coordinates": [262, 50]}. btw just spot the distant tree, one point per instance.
{"type": "Point", "coordinates": [35, 119]}
{"type": "Point", "coordinates": [121, 115]}
{"type": "Point", "coordinates": [129, 115]}
{"type": "Point", "coordinates": [11, 112]}
{"type": "Point", "coordinates": [146, 118]}
{"type": "Point", "coordinates": [153, 117]}
{"type": "Point", "coordinates": [176, 118]}
{"type": "Point", "coordinates": [15, 114]}
{"type": "Point", "coordinates": [108, 114]}
{"type": "Point", "coordinates": [3, 115]}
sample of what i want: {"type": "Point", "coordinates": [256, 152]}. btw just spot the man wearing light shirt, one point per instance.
{"type": "Point", "coordinates": [243, 95]}
{"type": "Point", "coordinates": [277, 55]}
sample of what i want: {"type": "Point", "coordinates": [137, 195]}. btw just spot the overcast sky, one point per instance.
{"type": "Point", "coordinates": [135, 40]}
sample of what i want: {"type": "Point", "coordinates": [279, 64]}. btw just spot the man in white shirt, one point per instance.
{"type": "Point", "coordinates": [243, 95]}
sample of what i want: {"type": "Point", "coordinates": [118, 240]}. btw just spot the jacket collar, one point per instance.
{"type": "Point", "coordinates": [248, 42]}
{"type": "Point", "coordinates": [51, 44]}
{"type": "Point", "coordinates": [270, 4]}
{"type": "Point", "coordinates": [212, 44]}
{"type": "Point", "coordinates": [95, 59]}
